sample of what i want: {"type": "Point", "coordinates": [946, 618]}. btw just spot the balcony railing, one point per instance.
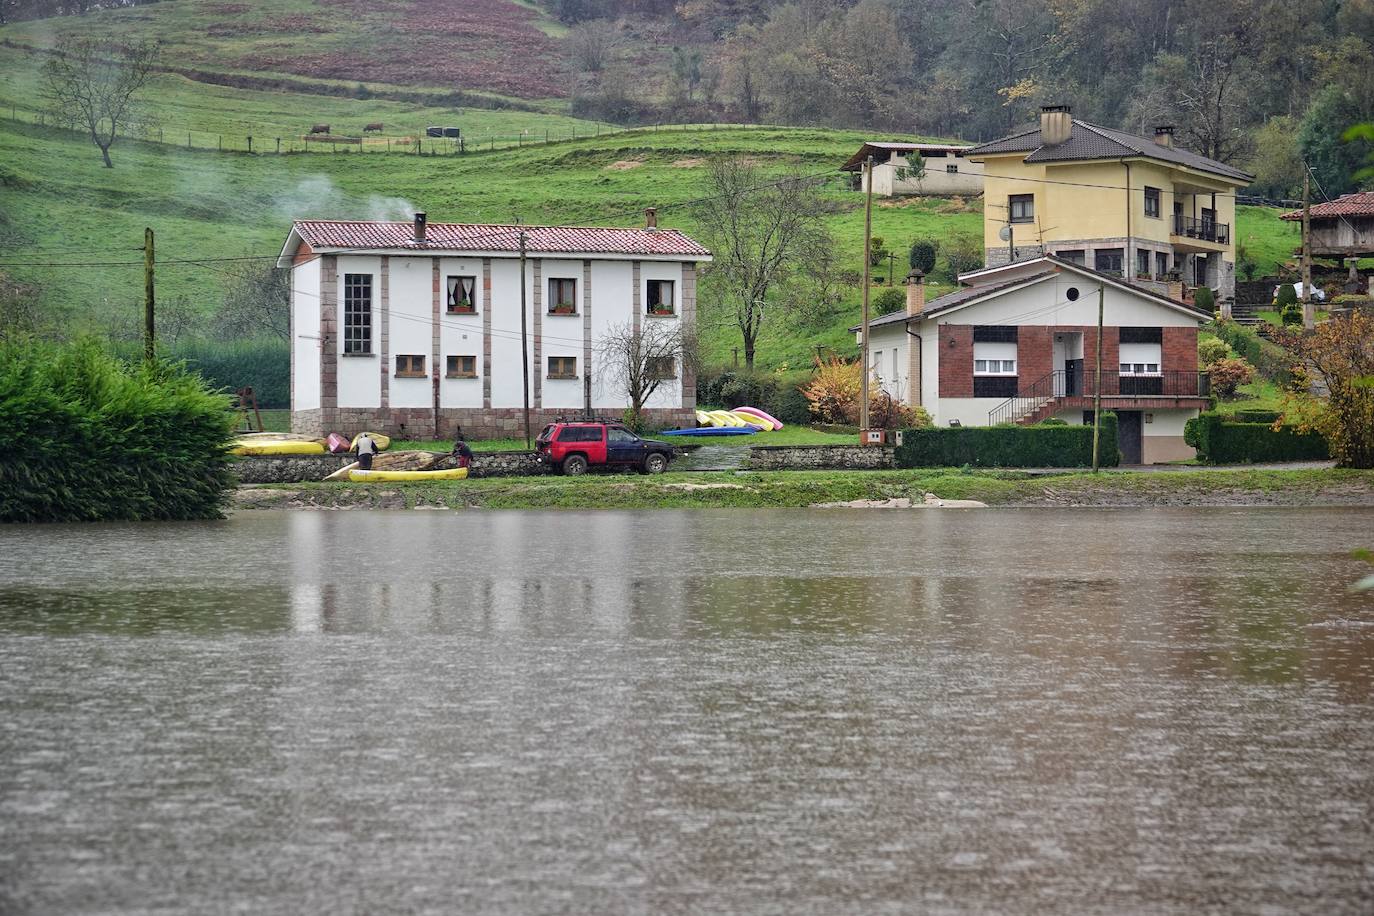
{"type": "Point", "coordinates": [1061, 384]}
{"type": "Point", "coordinates": [1207, 230]}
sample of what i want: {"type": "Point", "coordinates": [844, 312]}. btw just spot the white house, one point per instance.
{"type": "Point", "coordinates": [943, 169]}
{"type": "Point", "coordinates": [1018, 344]}
{"type": "Point", "coordinates": [415, 329]}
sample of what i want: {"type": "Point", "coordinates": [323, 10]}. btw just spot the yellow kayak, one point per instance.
{"type": "Point", "coordinates": [381, 440]}
{"type": "Point", "coordinates": [375, 476]}
{"type": "Point", "coordinates": [724, 418]}
{"type": "Point", "coordinates": [704, 418]}
{"type": "Point", "coordinates": [278, 447]}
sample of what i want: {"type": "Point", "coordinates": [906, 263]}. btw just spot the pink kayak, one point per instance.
{"type": "Point", "coordinates": [755, 412]}
{"type": "Point", "coordinates": [336, 443]}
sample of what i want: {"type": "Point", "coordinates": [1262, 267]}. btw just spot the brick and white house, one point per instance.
{"type": "Point", "coordinates": [1017, 343]}
{"type": "Point", "coordinates": [414, 328]}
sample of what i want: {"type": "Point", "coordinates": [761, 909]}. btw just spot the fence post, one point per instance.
{"type": "Point", "coordinates": [159, 135]}
{"type": "Point", "coordinates": [188, 139]}
{"type": "Point", "coordinates": [250, 144]}
{"type": "Point", "coordinates": [279, 145]}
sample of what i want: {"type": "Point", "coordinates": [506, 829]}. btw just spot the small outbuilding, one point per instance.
{"type": "Point", "coordinates": [917, 168]}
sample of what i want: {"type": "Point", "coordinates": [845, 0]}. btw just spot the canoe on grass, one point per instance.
{"type": "Point", "coordinates": [755, 412]}
{"type": "Point", "coordinates": [278, 447]}
{"type": "Point", "coordinates": [379, 476]}
{"type": "Point", "coordinates": [381, 440]}
{"type": "Point", "coordinates": [712, 431]}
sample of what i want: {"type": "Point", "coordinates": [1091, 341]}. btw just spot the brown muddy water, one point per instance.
{"type": "Point", "coordinates": [772, 712]}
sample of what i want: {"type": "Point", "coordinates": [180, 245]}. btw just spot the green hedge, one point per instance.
{"type": "Point", "coordinates": [1219, 441]}
{"type": "Point", "coordinates": [92, 438]}
{"type": "Point", "coordinates": [1269, 359]}
{"type": "Point", "coordinates": [228, 366]}
{"type": "Point", "coordinates": [1008, 446]}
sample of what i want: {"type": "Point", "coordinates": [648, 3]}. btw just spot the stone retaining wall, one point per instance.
{"type": "Point", "coordinates": [303, 468]}
{"type": "Point", "coordinates": [820, 458]}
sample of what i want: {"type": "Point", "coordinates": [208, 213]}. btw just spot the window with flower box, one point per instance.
{"type": "Point", "coordinates": [462, 295]}
{"type": "Point", "coordinates": [659, 297]}
{"type": "Point", "coordinates": [562, 296]}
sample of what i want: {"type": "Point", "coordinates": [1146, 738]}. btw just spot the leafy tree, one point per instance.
{"type": "Point", "coordinates": [1334, 162]}
{"type": "Point", "coordinates": [95, 84]}
{"type": "Point", "coordinates": [1277, 162]}
{"type": "Point", "coordinates": [1204, 298]}
{"type": "Point", "coordinates": [1341, 352]}
{"type": "Point", "coordinates": [922, 255]}
{"type": "Point", "coordinates": [889, 300]}
{"type": "Point", "coordinates": [963, 253]}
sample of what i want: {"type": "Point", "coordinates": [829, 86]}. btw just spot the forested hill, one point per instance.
{"type": "Point", "coordinates": [1253, 82]}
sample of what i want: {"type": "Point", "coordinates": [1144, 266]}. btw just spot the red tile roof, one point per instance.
{"type": "Point", "coordinates": [329, 234]}
{"type": "Point", "coordinates": [1358, 204]}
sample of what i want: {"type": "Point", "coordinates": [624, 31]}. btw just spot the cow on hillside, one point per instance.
{"type": "Point", "coordinates": [320, 129]}
{"type": "Point", "coordinates": [373, 128]}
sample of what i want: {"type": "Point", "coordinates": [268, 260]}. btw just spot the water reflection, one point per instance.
{"type": "Point", "coordinates": [772, 712]}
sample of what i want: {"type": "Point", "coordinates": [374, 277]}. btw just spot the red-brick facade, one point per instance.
{"type": "Point", "coordinates": [1034, 354]}
{"type": "Point", "coordinates": [956, 360]}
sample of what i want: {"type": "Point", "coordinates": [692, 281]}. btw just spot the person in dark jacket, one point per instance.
{"type": "Point", "coordinates": [462, 452]}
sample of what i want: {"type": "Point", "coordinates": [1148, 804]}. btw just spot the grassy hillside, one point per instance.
{"type": "Point", "coordinates": [59, 206]}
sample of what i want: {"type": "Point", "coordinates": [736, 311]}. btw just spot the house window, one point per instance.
{"type": "Point", "coordinates": [461, 367]}
{"type": "Point", "coordinates": [994, 333]}
{"type": "Point", "coordinates": [563, 367]}
{"type": "Point", "coordinates": [460, 295]}
{"type": "Point", "coordinates": [1022, 207]}
{"type": "Point", "coordinates": [952, 168]}
{"type": "Point", "coordinates": [1109, 260]}
{"type": "Point", "coordinates": [357, 313]}
{"type": "Point", "coordinates": [562, 297]}
{"type": "Point", "coordinates": [1073, 256]}
{"type": "Point", "coordinates": [1142, 264]}
{"type": "Point", "coordinates": [1152, 202]}
{"type": "Point", "coordinates": [1139, 358]}
{"type": "Point", "coordinates": [660, 297]}
{"type": "Point", "coordinates": [410, 366]}
{"type": "Point", "coordinates": [661, 367]}
{"type": "Point", "coordinates": [1161, 264]}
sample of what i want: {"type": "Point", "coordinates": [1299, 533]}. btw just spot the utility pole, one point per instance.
{"type": "Point", "coordinates": [868, 241]}
{"type": "Point", "coordinates": [524, 339]}
{"type": "Point", "coordinates": [1097, 386]}
{"type": "Point", "coordinates": [1011, 241]}
{"type": "Point", "coordinates": [1309, 315]}
{"type": "Point", "coordinates": [148, 350]}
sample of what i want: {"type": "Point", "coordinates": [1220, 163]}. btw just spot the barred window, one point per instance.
{"type": "Point", "coordinates": [357, 328]}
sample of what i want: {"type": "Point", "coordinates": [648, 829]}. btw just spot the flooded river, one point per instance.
{"type": "Point", "coordinates": [773, 712]}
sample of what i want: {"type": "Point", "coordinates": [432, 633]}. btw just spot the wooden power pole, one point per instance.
{"type": "Point", "coordinates": [524, 340]}
{"type": "Point", "coordinates": [1309, 314]}
{"type": "Point", "coordinates": [1097, 385]}
{"type": "Point", "coordinates": [149, 351]}
{"type": "Point", "coordinates": [868, 241]}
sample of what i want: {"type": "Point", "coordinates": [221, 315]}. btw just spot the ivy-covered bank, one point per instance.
{"type": "Point", "coordinates": [800, 489]}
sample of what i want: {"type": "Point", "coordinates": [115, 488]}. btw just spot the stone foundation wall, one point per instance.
{"type": "Point", "coordinates": [820, 458]}
{"type": "Point", "coordinates": [475, 422]}
{"type": "Point", "coordinates": [304, 468]}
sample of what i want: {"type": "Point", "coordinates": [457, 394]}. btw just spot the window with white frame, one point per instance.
{"type": "Point", "coordinates": [1141, 358]}
{"type": "Point", "coordinates": [994, 358]}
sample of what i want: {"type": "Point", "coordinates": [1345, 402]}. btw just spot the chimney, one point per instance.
{"type": "Point", "coordinates": [915, 293]}
{"type": "Point", "coordinates": [1174, 290]}
{"type": "Point", "coordinates": [1056, 124]}
{"type": "Point", "coordinates": [651, 217]}
{"type": "Point", "coordinates": [1164, 135]}
{"type": "Point", "coordinates": [419, 227]}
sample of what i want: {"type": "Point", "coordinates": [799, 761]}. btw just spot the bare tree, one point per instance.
{"type": "Point", "coordinates": [636, 362]}
{"type": "Point", "coordinates": [760, 231]}
{"type": "Point", "coordinates": [94, 84]}
{"type": "Point", "coordinates": [257, 302]}
{"type": "Point", "coordinates": [591, 45]}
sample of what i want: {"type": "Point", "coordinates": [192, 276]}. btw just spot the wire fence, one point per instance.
{"type": "Point", "coordinates": [271, 141]}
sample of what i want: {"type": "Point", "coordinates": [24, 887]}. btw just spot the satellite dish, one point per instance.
{"type": "Point", "coordinates": [1004, 233]}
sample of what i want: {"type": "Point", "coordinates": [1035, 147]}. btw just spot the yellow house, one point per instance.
{"type": "Point", "coordinates": [1139, 208]}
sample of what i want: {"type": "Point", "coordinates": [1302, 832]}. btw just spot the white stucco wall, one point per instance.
{"type": "Point", "coordinates": [360, 381]}
{"type": "Point", "coordinates": [507, 389]}
{"type": "Point", "coordinates": [305, 335]}
{"type": "Point", "coordinates": [411, 308]}
{"type": "Point", "coordinates": [669, 393]}
{"type": "Point", "coordinates": [612, 295]}
{"type": "Point", "coordinates": [460, 335]}
{"type": "Point", "coordinates": [936, 180]}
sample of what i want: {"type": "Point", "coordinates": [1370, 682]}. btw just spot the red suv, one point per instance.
{"type": "Point", "coordinates": [573, 446]}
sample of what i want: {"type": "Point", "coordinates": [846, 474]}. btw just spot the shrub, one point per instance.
{"type": "Point", "coordinates": [1205, 299]}
{"type": "Point", "coordinates": [1269, 359]}
{"type": "Point", "coordinates": [889, 300]}
{"type": "Point", "coordinates": [1229, 374]}
{"type": "Point", "coordinates": [1008, 446]}
{"type": "Point", "coordinates": [1257, 416]}
{"type": "Point", "coordinates": [91, 438]}
{"type": "Point", "coordinates": [834, 390]}
{"type": "Point", "coordinates": [790, 406]}
{"type": "Point", "coordinates": [922, 255]}
{"type": "Point", "coordinates": [962, 254]}
{"type": "Point", "coordinates": [877, 250]}
{"type": "Point", "coordinates": [1287, 296]}
{"type": "Point", "coordinates": [1221, 442]}
{"type": "Point", "coordinates": [1210, 350]}
{"type": "Point", "coordinates": [1291, 315]}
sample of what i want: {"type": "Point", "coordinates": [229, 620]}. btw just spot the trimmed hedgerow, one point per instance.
{"type": "Point", "coordinates": [1044, 446]}
{"type": "Point", "coordinates": [1219, 441]}
{"type": "Point", "coordinates": [91, 438]}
